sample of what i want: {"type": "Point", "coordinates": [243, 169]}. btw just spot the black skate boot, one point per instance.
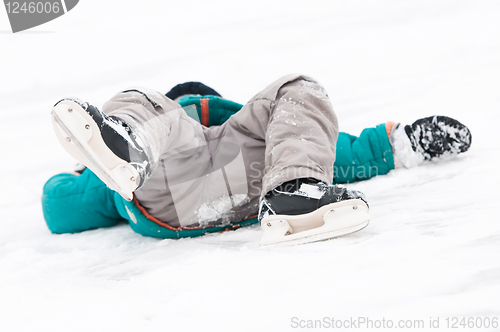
{"type": "Point", "coordinates": [105, 144]}
{"type": "Point", "coordinates": [307, 210]}
{"type": "Point", "coordinates": [436, 136]}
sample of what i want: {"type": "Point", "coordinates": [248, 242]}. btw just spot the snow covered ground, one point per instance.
{"type": "Point", "coordinates": [432, 248]}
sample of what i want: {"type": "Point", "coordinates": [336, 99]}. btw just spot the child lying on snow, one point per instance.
{"type": "Point", "coordinates": [271, 160]}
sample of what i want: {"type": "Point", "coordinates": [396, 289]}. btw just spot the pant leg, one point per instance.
{"type": "Point", "coordinates": [188, 184]}
{"type": "Point", "coordinates": [157, 120]}
{"type": "Point", "coordinates": [294, 121]}
{"type": "Point", "coordinates": [172, 141]}
{"type": "Point", "coordinates": [287, 131]}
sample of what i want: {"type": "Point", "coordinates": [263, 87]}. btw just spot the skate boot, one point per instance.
{"type": "Point", "coordinates": [306, 210]}
{"type": "Point", "coordinates": [429, 138]}
{"type": "Point", "coordinates": [105, 144]}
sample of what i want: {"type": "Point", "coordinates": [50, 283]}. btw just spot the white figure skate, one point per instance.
{"type": "Point", "coordinates": [105, 145]}
{"type": "Point", "coordinates": [298, 212]}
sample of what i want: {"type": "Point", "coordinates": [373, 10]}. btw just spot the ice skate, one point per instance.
{"type": "Point", "coordinates": [429, 138]}
{"type": "Point", "coordinates": [305, 210]}
{"type": "Point", "coordinates": [106, 145]}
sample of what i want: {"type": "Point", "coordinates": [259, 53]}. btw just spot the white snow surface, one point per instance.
{"type": "Point", "coordinates": [433, 244]}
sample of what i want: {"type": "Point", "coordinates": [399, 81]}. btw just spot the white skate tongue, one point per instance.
{"type": "Point", "coordinates": [309, 190]}
{"type": "Point", "coordinates": [401, 147]}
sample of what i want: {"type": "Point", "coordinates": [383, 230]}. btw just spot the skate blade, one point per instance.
{"type": "Point", "coordinates": [80, 137]}
{"type": "Point", "coordinates": [330, 221]}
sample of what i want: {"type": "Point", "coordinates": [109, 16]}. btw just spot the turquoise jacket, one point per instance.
{"type": "Point", "coordinates": [74, 203]}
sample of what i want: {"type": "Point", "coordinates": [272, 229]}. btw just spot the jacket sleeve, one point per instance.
{"type": "Point", "coordinates": [73, 203]}
{"type": "Point", "coordinates": [363, 157]}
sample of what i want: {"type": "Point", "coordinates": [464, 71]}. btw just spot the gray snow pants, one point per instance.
{"type": "Point", "coordinates": [216, 175]}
